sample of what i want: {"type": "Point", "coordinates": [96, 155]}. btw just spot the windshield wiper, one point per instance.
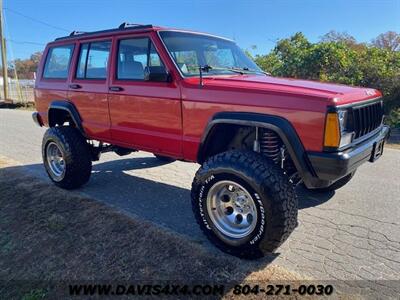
{"type": "Point", "coordinates": [207, 68]}
{"type": "Point", "coordinates": [246, 69]}
{"type": "Point", "coordinates": [241, 71]}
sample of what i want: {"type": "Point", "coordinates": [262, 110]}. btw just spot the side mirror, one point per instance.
{"type": "Point", "coordinates": [157, 74]}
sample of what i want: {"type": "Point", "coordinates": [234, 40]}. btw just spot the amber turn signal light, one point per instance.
{"type": "Point", "coordinates": [332, 130]}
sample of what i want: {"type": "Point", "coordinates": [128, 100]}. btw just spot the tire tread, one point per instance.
{"type": "Point", "coordinates": [77, 156]}
{"type": "Point", "coordinates": [272, 180]}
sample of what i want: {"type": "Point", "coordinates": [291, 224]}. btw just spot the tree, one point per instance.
{"type": "Point", "coordinates": [335, 36]}
{"type": "Point", "coordinates": [342, 37]}
{"type": "Point", "coordinates": [337, 58]}
{"type": "Point", "coordinates": [389, 40]}
{"type": "Point", "coordinates": [291, 54]}
{"type": "Point", "coordinates": [36, 57]}
{"type": "Point", "coordinates": [269, 63]}
{"type": "Point", "coordinates": [24, 68]}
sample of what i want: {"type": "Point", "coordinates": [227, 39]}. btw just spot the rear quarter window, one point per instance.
{"type": "Point", "coordinates": [58, 61]}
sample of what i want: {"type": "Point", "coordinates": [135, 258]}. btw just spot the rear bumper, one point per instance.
{"type": "Point", "coordinates": [330, 167]}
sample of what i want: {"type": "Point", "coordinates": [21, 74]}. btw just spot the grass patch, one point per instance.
{"type": "Point", "coordinates": [48, 234]}
{"type": "Point", "coordinates": [36, 294]}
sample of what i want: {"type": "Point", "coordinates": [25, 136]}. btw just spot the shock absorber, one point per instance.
{"type": "Point", "coordinates": [270, 145]}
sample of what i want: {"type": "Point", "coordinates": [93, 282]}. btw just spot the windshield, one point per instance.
{"type": "Point", "coordinates": [190, 51]}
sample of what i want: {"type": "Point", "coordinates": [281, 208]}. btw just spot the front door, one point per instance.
{"type": "Point", "coordinates": [144, 114]}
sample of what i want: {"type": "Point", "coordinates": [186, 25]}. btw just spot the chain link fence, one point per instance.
{"type": "Point", "coordinates": [20, 91]}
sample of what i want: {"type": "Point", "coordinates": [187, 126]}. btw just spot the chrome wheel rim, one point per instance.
{"type": "Point", "coordinates": [231, 209]}
{"type": "Point", "coordinates": [55, 161]}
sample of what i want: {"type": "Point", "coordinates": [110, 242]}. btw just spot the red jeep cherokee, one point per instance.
{"type": "Point", "coordinates": [197, 97]}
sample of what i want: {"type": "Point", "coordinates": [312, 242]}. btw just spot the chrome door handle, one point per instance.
{"type": "Point", "coordinates": [115, 88]}
{"type": "Point", "coordinates": [75, 86]}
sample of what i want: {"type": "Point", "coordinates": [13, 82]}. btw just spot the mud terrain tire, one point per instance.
{"type": "Point", "coordinates": [272, 195]}
{"type": "Point", "coordinates": [66, 157]}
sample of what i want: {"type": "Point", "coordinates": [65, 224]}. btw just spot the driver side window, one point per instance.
{"type": "Point", "coordinates": [134, 55]}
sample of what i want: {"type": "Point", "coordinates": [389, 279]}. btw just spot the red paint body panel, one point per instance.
{"type": "Point", "coordinates": [91, 99]}
{"type": "Point", "coordinates": [305, 113]}
{"type": "Point", "coordinates": [146, 115]}
{"type": "Point", "coordinates": [48, 90]}
{"type": "Point", "coordinates": [170, 118]}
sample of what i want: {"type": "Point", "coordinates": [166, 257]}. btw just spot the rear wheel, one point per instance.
{"type": "Point", "coordinates": [244, 203]}
{"type": "Point", "coordinates": [66, 157]}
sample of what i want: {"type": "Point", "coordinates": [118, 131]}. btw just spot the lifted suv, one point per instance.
{"type": "Point", "coordinates": [197, 97]}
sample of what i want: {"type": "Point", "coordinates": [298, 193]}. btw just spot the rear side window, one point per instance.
{"type": "Point", "coordinates": [134, 55]}
{"type": "Point", "coordinates": [93, 60]}
{"type": "Point", "coordinates": [58, 61]}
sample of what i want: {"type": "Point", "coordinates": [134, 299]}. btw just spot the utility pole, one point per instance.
{"type": "Point", "coordinates": [3, 54]}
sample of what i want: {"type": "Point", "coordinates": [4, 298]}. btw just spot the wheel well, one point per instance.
{"type": "Point", "coordinates": [61, 112]}
{"type": "Point", "coordinates": [60, 117]}
{"type": "Point", "coordinates": [225, 136]}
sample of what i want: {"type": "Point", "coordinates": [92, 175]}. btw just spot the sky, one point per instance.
{"type": "Point", "coordinates": [30, 24]}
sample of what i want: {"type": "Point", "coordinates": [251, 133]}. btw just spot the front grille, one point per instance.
{"type": "Point", "coordinates": [367, 118]}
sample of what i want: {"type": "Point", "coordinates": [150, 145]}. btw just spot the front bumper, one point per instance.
{"type": "Point", "coordinates": [330, 167]}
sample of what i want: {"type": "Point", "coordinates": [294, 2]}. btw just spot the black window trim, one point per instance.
{"type": "Point", "coordinates": [50, 49]}
{"type": "Point", "coordinates": [79, 60]}
{"type": "Point", "coordinates": [89, 43]}
{"type": "Point", "coordinates": [150, 42]}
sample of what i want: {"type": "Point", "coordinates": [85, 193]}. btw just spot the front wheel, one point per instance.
{"type": "Point", "coordinates": [244, 203]}
{"type": "Point", "coordinates": [66, 157]}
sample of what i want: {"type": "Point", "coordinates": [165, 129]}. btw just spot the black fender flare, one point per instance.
{"type": "Point", "coordinates": [278, 124]}
{"type": "Point", "coordinates": [69, 107]}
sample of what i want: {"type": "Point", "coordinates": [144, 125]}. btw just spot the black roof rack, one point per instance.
{"type": "Point", "coordinates": [129, 25]}
{"type": "Point", "coordinates": [73, 33]}
{"type": "Point", "coordinates": [123, 26]}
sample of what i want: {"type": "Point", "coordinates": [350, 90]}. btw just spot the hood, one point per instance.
{"type": "Point", "coordinates": [337, 94]}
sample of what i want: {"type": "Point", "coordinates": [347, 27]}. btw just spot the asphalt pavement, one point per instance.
{"type": "Point", "coordinates": [352, 234]}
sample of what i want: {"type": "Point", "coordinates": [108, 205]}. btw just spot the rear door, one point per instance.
{"type": "Point", "coordinates": [88, 87]}
{"type": "Point", "coordinates": [145, 115]}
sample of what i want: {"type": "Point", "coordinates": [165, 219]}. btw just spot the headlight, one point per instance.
{"type": "Point", "coordinates": [337, 129]}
